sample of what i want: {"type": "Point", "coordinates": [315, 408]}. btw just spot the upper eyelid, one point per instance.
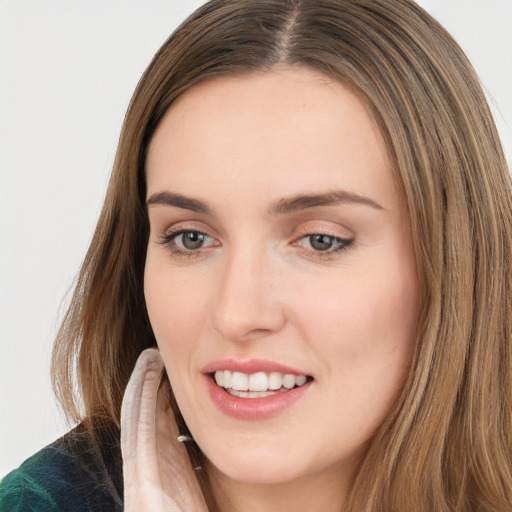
{"type": "Point", "coordinates": [320, 226]}
{"type": "Point", "coordinates": [184, 229]}
{"type": "Point", "coordinates": [344, 233]}
{"type": "Point", "coordinates": [181, 226]}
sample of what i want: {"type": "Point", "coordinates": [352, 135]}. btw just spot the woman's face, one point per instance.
{"type": "Point", "coordinates": [280, 256]}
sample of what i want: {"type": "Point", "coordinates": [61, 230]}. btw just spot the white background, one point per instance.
{"type": "Point", "coordinates": [67, 71]}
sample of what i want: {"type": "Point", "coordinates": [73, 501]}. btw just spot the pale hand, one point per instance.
{"type": "Point", "coordinates": [158, 476]}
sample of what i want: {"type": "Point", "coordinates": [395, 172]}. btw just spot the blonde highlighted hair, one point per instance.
{"type": "Point", "coordinates": [447, 444]}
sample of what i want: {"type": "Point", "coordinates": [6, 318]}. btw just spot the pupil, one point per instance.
{"type": "Point", "coordinates": [321, 242]}
{"type": "Point", "coordinates": [193, 240]}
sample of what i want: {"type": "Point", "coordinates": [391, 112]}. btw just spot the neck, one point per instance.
{"type": "Point", "coordinates": [321, 493]}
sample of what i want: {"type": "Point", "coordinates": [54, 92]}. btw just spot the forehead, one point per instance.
{"type": "Point", "coordinates": [283, 132]}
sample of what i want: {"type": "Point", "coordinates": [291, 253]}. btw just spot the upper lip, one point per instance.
{"type": "Point", "coordinates": [250, 366]}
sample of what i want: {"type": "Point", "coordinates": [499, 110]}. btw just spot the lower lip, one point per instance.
{"type": "Point", "coordinates": [254, 408]}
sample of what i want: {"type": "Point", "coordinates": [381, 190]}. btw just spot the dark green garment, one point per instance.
{"type": "Point", "coordinates": [66, 476]}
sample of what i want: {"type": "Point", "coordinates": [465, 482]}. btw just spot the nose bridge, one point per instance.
{"type": "Point", "coordinates": [247, 303]}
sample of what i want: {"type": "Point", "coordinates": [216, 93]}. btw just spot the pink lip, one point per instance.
{"type": "Point", "coordinates": [250, 366]}
{"type": "Point", "coordinates": [252, 408]}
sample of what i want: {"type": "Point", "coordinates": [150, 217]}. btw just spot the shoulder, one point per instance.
{"type": "Point", "coordinates": [67, 475]}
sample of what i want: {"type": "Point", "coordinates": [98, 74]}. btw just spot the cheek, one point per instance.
{"type": "Point", "coordinates": [175, 307]}
{"type": "Point", "coordinates": [363, 311]}
{"type": "Point", "coordinates": [365, 332]}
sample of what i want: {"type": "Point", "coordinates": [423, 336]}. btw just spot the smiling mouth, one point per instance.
{"type": "Point", "coordinates": [259, 384]}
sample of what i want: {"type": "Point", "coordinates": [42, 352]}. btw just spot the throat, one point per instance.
{"type": "Point", "coordinates": [319, 493]}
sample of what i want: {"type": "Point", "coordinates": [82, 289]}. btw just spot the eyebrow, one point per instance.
{"type": "Point", "coordinates": [335, 197]}
{"type": "Point", "coordinates": [180, 201]}
{"type": "Point", "coordinates": [283, 206]}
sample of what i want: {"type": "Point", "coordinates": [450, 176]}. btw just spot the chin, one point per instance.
{"type": "Point", "coordinates": [259, 470]}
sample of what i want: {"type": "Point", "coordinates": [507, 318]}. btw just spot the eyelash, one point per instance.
{"type": "Point", "coordinates": [343, 244]}
{"type": "Point", "coordinates": [168, 240]}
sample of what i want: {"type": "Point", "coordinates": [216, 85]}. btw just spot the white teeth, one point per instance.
{"type": "Point", "coordinates": [240, 381]}
{"type": "Point", "coordinates": [250, 394]}
{"type": "Point", "coordinates": [226, 378]}
{"type": "Point", "coordinates": [219, 378]}
{"type": "Point", "coordinates": [275, 380]}
{"type": "Point", "coordinates": [258, 384]}
{"type": "Point", "coordinates": [301, 380]}
{"type": "Point", "coordinates": [289, 381]}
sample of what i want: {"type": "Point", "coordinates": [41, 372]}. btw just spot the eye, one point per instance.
{"type": "Point", "coordinates": [321, 242]}
{"type": "Point", "coordinates": [185, 241]}
{"type": "Point", "coordinates": [325, 244]}
{"type": "Point", "coordinates": [191, 240]}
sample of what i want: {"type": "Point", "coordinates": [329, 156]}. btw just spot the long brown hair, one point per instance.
{"type": "Point", "coordinates": [447, 444]}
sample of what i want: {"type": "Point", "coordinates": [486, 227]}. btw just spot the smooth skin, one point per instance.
{"type": "Point", "coordinates": [285, 239]}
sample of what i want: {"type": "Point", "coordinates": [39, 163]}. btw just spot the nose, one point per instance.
{"type": "Point", "coordinates": [248, 303]}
